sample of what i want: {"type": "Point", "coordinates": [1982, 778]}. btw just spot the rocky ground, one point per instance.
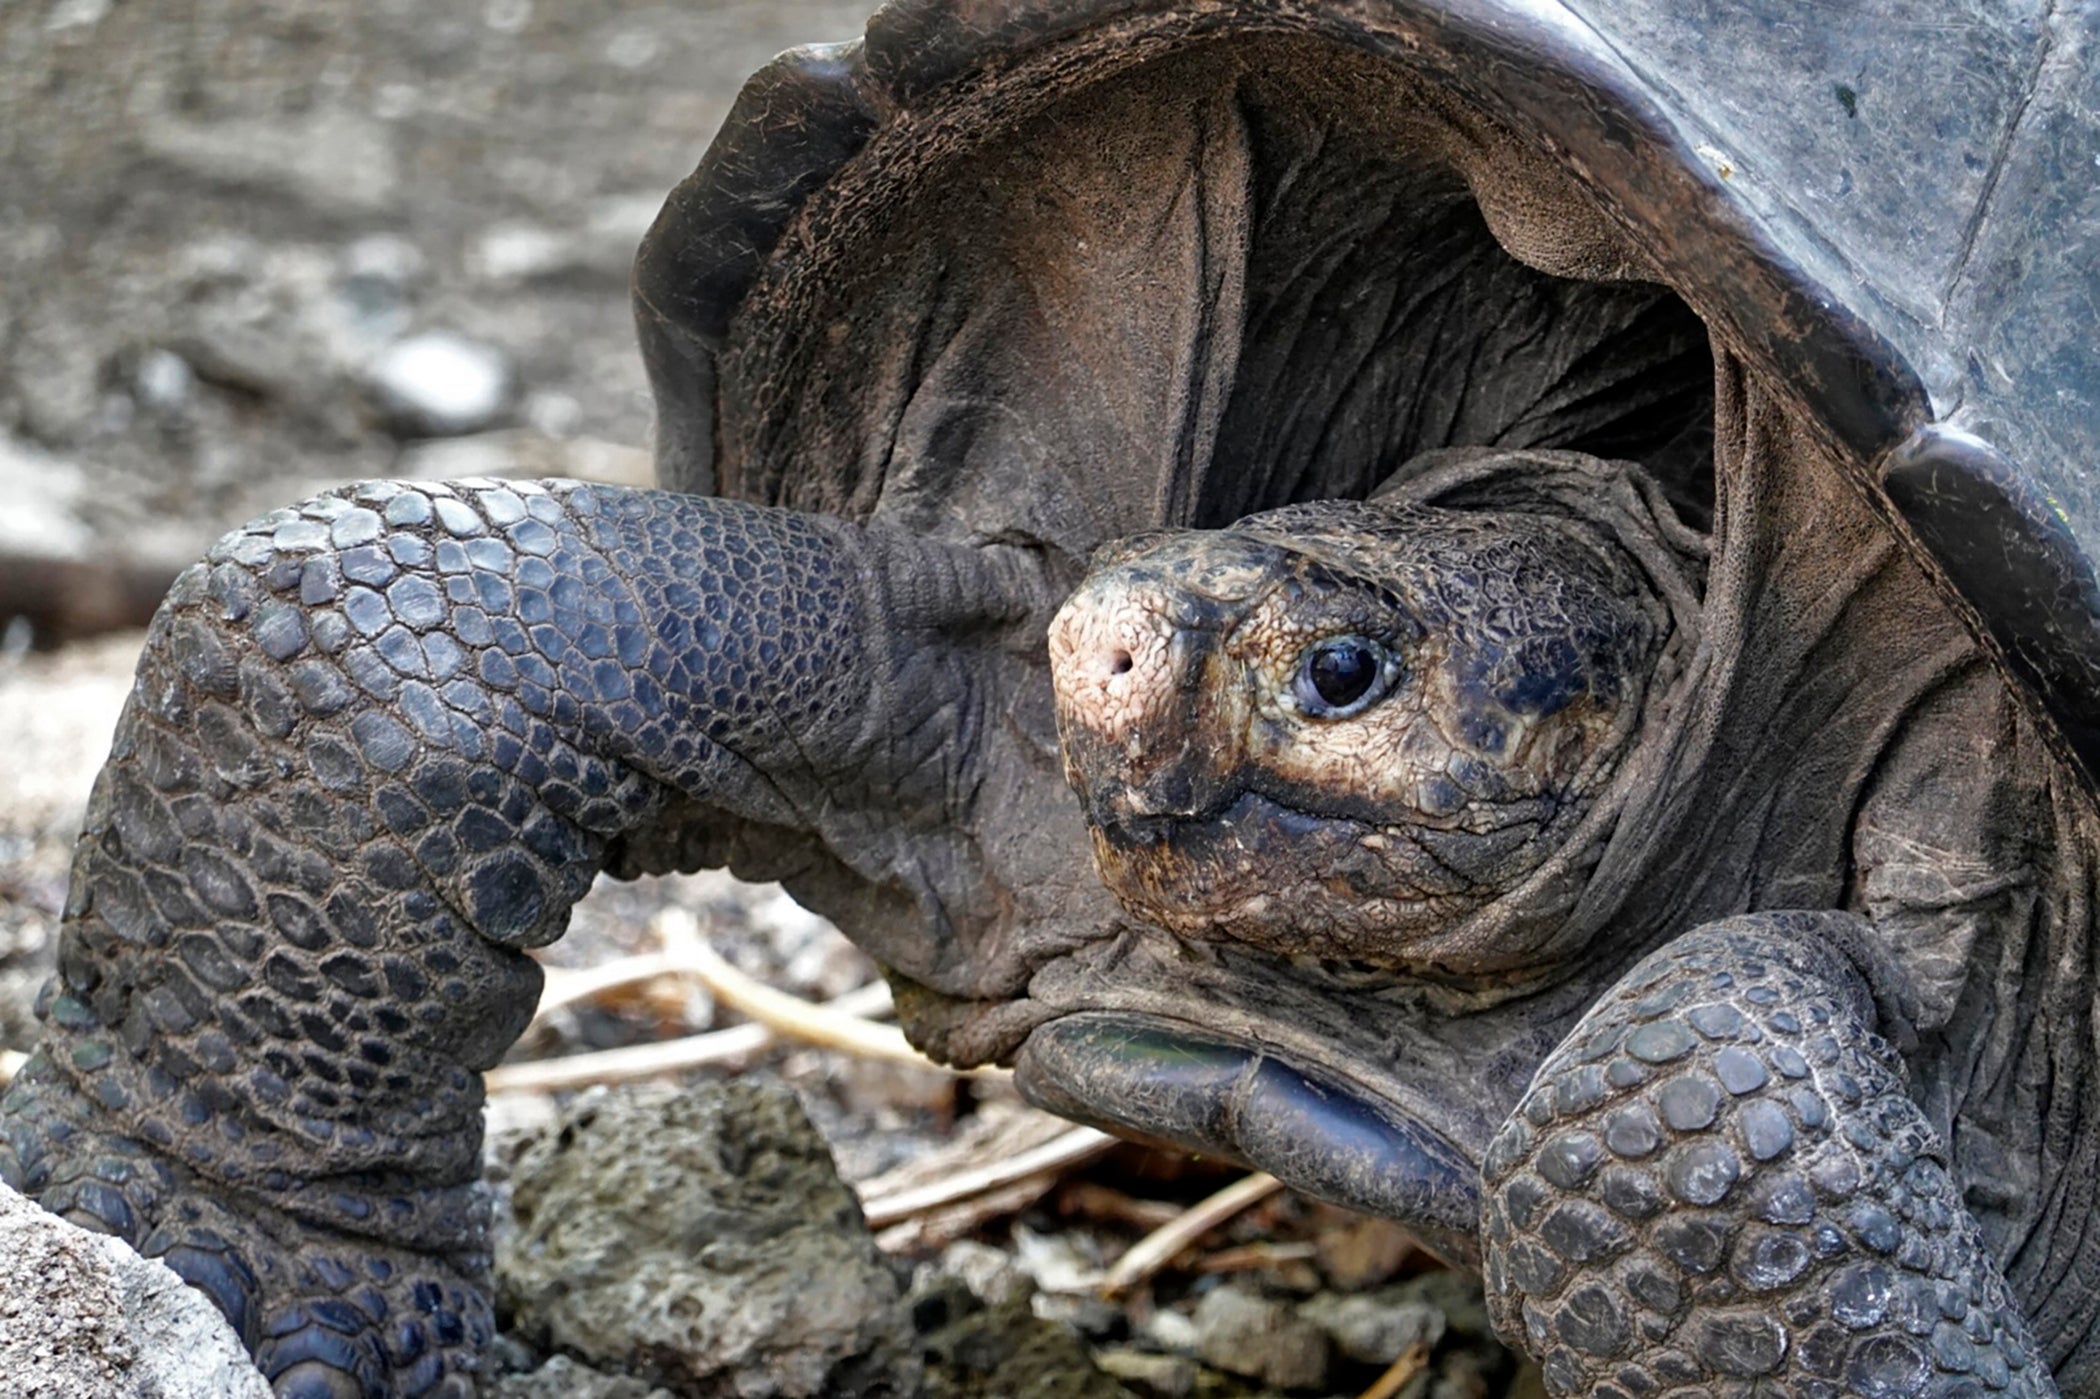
{"type": "Point", "coordinates": [255, 248]}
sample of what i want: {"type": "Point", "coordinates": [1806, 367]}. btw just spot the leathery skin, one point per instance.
{"type": "Point", "coordinates": [1718, 1186]}
{"type": "Point", "coordinates": [379, 744]}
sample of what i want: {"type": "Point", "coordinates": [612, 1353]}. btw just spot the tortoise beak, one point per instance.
{"type": "Point", "coordinates": [1133, 662]}
{"type": "Point", "coordinates": [1207, 1092]}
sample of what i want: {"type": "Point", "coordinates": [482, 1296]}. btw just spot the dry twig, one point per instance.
{"type": "Point", "coordinates": [1413, 1361]}
{"type": "Point", "coordinates": [785, 1014]}
{"type": "Point", "coordinates": [666, 1056]}
{"type": "Point", "coordinates": [1248, 1257]}
{"type": "Point", "coordinates": [566, 988]}
{"type": "Point", "coordinates": [1090, 1199]}
{"type": "Point", "coordinates": [1160, 1247]}
{"type": "Point", "coordinates": [1072, 1148]}
{"type": "Point", "coordinates": [839, 1024]}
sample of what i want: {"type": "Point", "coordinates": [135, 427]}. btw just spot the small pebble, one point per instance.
{"type": "Point", "coordinates": [1170, 1376]}
{"type": "Point", "coordinates": [1374, 1327]}
{"type": "Point", "coordinates": [164, 379]}
{"type": "Point", "coordinates": [992, 1275]}
{"type": "Point", "coordinates": [1245, 1333]}
{"type": "Point", "coordinates": [439, 384]}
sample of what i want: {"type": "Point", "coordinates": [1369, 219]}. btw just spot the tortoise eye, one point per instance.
{"type": "Point", "coordinates": [1344, 675]}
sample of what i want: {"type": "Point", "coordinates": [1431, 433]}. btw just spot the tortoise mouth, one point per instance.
{"type": "Point", "coordinates": [1161, 1078]}
{"type": "Point", "coordinates": [1350, 1082]}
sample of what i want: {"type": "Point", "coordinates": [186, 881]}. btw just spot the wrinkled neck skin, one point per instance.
{"type": "Point", "coordinates": [1817, 730]}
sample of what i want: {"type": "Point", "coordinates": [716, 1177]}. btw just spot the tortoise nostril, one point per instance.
{"type": "Point", "coordinates": [1119, 662]}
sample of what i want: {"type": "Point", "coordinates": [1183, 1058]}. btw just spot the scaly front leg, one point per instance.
{"type": "Point", "coordinates": [1717, 1186]}
{"type": "Point", "coordinates": [377, 748]}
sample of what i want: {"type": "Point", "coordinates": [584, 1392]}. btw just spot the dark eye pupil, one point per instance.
{"type": "Point", "coordinates": [1342, 672]}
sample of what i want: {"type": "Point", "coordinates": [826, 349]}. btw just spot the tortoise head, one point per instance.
{"type": "Point", "coordinates": [1345, 730]}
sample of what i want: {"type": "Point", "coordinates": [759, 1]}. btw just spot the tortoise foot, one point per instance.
{"type": "Point", "coordinates": [326, 1313]}
{"type": "Point", "coordinates": [1718, 1185]}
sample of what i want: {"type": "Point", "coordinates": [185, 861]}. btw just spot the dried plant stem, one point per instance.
{"type": "Point", "coordinates": [1160, 1247]}
{"type": "Point", "coordinates": [1413, 1361]}
{"type": "Point", "coordinates": [566, 988]}
{"type": "Point", "coordinates": [669, 1056]}
{"type": "Point", "coordinates": [1080, 1145]}
{"type": "Point", "coordinates": [777, 1010]}
{"type": "Point", "coordinates": [841, 1024]}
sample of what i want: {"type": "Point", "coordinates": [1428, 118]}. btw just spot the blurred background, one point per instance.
{"type": "Point", "coordinates": [249, 248]}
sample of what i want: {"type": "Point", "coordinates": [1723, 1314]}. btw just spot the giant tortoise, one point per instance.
{"type": "Point", "coordinates": [1482, 604]}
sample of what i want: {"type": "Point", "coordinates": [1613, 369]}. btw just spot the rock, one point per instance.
{"type": "Point", "coordinates": [1245, 1333]}
{"type": "Point", "coordinates": [1055, 1261]}
{"type": "Point", "coordinates": [383, 260]}
{"type": "Point", "coordinates": [515, 252]}
{"type": "Point", "coordinates": [440, 384]}
{"type": "Point", "coordinates": [1005, 1353]}
{"type": "Point", "coordinates": [164, 380]}
{"type": "Point", "coordinates": [563, 1378]}
{"type": "Point", "coordinates": [374, 294]}
{"type": "Point", "coordinates": [1375, 1327]}
{"type": "Point", "coordinates": [992, 1274]}
{"type": "Point", "coordinates": [1089, 1316]}
{"type": "Point", "coordinates": [83, 1317]}
{"type": "Point", "coordinates": [277, 327]}
{"type": "Point", "coordinates": [598, 253]}
{"type": "Point", "coordinates": [339, 161]}
{"type": "Point", "coordinates": [44, 495]}
{"type": "Point", "coordinates": [1167, 1329]}
{"type": "Point", "coordinates": [704, 1240]}
{"type": "Point", "coordinates": [1169, 1376]}
{"type": "Point", "coordinates": [76, 14]}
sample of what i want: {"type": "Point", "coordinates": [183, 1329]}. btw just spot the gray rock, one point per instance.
{"type": "Point", "coordinates": [1167, 1329]}
{"type": "Point", "coordinates": [563, 1378]}
{"type": "Point", "coordinates": [82, 1315]}
{"type": "Point", "coordinates": [440, 384]}
{"type": "Point", "coordinates": [991, 1274]}
{"type": "Point", "coordinates": [1375, 1327]}
{"type": "Point", "coordinates": [1245, 1333]}
{"type": "Point", "coordinates": [44, 495]}
{"type": "Point", "coordinates": [703, 1240]}
{"type": "Point", "coordinates": [164, 380]}
{"type": "Point", "coordinates": [1170, 1376]}
{"type": "Point", "coordinates": [1089, 1316]}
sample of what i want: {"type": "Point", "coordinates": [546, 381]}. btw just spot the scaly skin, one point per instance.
{"type": "Point", "coordinates": [378, 746]}
{"type": "Point", "coordinates": [1718, 1182]}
